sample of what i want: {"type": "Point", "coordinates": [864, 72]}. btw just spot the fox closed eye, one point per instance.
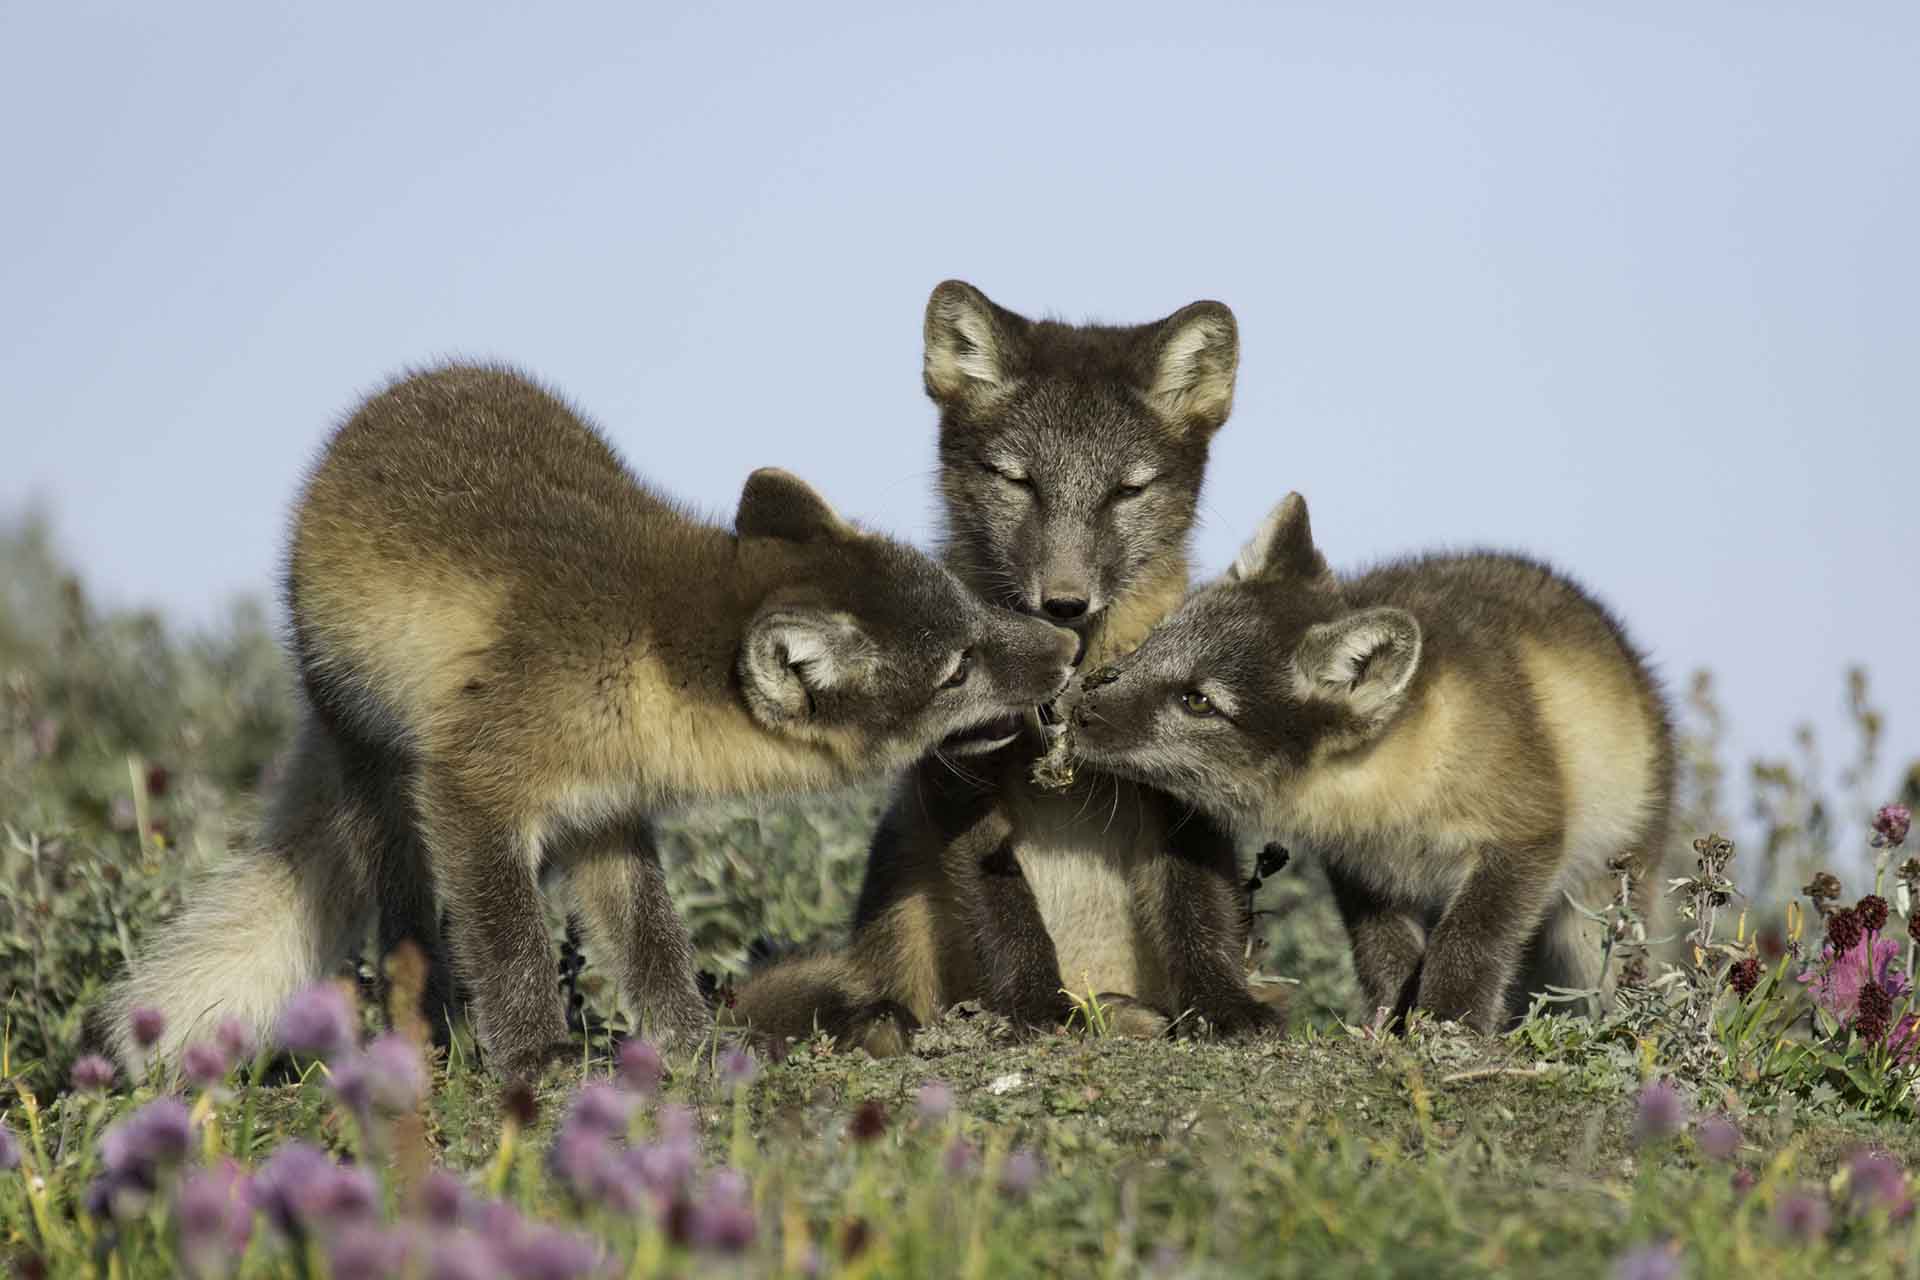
{"type": "Point", "coordinates": [1018, 480]}
{"type": "Point", "coordinates": [1132, 489]}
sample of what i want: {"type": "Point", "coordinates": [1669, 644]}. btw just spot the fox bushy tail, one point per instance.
{"type": "Point", "coordinates": [279, 912]}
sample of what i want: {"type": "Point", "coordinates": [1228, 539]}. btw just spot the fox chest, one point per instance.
{"type": "Point", "coordinates": [1079, 865]}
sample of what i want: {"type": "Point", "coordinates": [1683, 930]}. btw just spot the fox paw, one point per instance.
{"type": "Point", "coordinates": [1131, 1019]}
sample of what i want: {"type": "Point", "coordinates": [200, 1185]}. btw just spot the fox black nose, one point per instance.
{"type": "Point", "coordinates": [1065, 608]}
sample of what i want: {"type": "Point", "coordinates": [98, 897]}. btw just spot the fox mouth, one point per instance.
{"type": "Point", "coordinates": [988, 735]}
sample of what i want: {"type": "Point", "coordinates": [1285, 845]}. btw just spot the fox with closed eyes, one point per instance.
{"type": "Point", "coordinates": [513, 653]}
{"type": "Point", "coordinates": [1071, 460]}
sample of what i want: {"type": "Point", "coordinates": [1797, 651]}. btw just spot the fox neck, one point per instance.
{"type": "Point", "coordinates": [1406, 778]}
{"type": "Point", "coordinates": [709, 745]}
{"type": "Point", "coordinates": [1134, 612]}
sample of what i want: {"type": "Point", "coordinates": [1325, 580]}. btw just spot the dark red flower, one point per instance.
{"type": "Point", "coordinates": [1745, 976]}
{"type": "Point", "coordinates": [1875, 1011]}
{"type": "Point", "coordinates": [1843, 930]}
{"type": "Point", "coordinates": [1872, 912]}
{"type": "Point", "coordinates": [1891, 824]}
{"type": "Point", "coordinates": [869, 1121]}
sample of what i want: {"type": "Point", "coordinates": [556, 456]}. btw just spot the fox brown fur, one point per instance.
{"type": "Point", "coordinates": [1071, 463]}
{"type": "Point", "coordinates": [1468, 739]}
{"type": "Point", "coordinates": [512, 654]}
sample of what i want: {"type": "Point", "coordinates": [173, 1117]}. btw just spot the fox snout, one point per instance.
{"type": "Point", "coordinates": [1037, 660]}
{"type": "Point", "coordinates": [1082, 710]}
{"type": "Point", "coordinates": [1063, 587]}
{"type": "Point", "coordinates": [1064, 601]}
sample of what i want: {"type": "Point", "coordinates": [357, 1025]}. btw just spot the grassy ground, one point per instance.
{"type": "Point", "coordinates": [127, 757]}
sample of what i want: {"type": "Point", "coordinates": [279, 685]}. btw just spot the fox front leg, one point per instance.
{"type": "Point", "coordinates": [1018, 965]}
{"type": "Point", "coordinates": [1388, 942]}
{"type": "Point", "coordinates": [621, 890]}
{"type": "Point", "coordinates": [1188, 897]}
{"type": "Point", "coordinates": [1474, 951]}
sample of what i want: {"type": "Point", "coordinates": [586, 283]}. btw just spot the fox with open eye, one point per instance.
{"type": "Point", "coordinates": [1469, 740]}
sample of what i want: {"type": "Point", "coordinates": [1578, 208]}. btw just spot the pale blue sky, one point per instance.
{"type": "Point", "coordinates": [1633, 287]}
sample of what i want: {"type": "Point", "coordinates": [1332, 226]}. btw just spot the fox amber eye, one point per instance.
{"type": "Point", "coordinates": [1196, 703]}
{"type": "Point", "coordinates": [959, 676]}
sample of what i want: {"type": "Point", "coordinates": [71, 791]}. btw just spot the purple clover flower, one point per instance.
{"type": "Point", "coordinates": [235, 1039]}
{"type": "Point", "coordinates": [92, 1074]}
{"type": "Point", "coordinates": [214, 1213]}
{"type": "Point", "coordinates": [148, 1026]}
{"type": "Point", "coordinates": [387, 1076]}
{"type": "Point", "coordinates": [299, 1188]}
{"type": "Point", "coordinates": [399, 1075]}
{"type": "Point", "coordinates": [134, 1151]}
{"type": "Point", "coordinates": [1660, 1114]}
{"type": "Point", "coordinates": [9, 1150]}
{"type": "Point", "coordinates": [723, 1219]}
{"type": "Point", "coordinates": [1718, 1137]}
{"type": "Point", "coordinates": [548, 1253]}
{"type": "Point", "coordinates": [958, 1158]}
{"type": "Point", "coordinates": [666, 1167]}
{"type": "Point", "coordinates": [318, 1021]}
{"type": "Point", "coordinates": [1648, 1262]}
{"type": "Point", "coordinates": [1876, 1180]}
{"type": "Point", "coordinates": [1802, 1216]}
{"type": "Point", "coordinates": [138, 1146]}
{"type": "Point", "coordinates": [203, 1064]}
{"type": "Point", "coordinates": [599, 1109]}
{"type": "Point", "coordinates": [1020, 1173]}
{"type": "Point", "coordinates": [443, 1198]}
{"type": "Point", "coordinates": [365, 1251]}
{"type": "Point", "coordinates": [462, 1256]}
{"type": "Point", "coordinates": [934, 1101]}
{"type": "Point", "coordinates": [117, 1196]}
{"type": "Point", "coordinates": [596, 1170]}
{"type": "Point", "coordinates": [737, 1069]}
{"type": "Point", "coordinates": [640, 1067]}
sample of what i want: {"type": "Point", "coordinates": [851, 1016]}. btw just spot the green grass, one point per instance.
{"type": "Point", "coordinates": [1333, 1150]}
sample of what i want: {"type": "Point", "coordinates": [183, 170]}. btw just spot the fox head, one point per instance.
{"type": "Point", "coordinates": [876, 650]}
{"type": "Point", "coordinates": [1257, 677]}
{"type": "Point", "coordinates": [1071, 456]}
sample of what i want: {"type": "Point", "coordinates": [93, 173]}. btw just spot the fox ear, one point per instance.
{"type": "Point", "coordinates": [1281, 547]}
{"type": "Point", "coordinates": [970, 344]}
{"type": "Point", "coordinates": [1195, 357]}
{"type": "Point", "coordinates": [779, 504]}
{"type": "Point", "coordinates": [791, 655]}
{"type": "Point", "coordinates": [1366, 661]}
